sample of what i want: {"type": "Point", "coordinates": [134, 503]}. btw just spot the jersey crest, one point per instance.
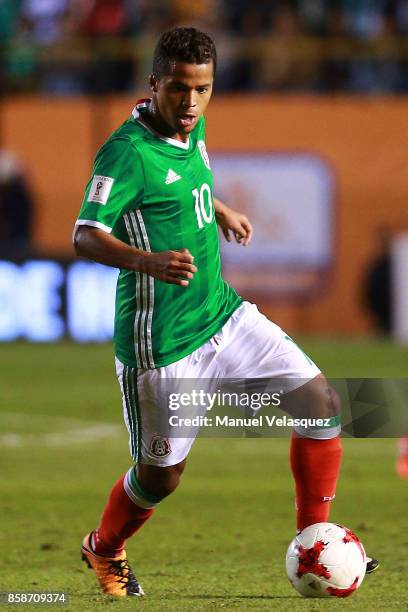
{"type": "Point", "coordinates": [160, 446]}
{"type": "Point", "coordinates": [203, 151]}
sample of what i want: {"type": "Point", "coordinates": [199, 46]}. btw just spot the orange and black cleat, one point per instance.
{"type": "Point", "coordinates": [115, 575]}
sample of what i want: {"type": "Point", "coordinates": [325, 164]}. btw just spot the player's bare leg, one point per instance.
{"type": "Point", "coordinates": [131, 503]}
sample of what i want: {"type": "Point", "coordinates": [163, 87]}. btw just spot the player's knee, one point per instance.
{"type": "Point", "coordinates": [160, 481]}
{"type": "Point", "coordinates": [329, 404]}
{"type": "Point", "coordinates": [320, 403]}
{"type": "Point", "coordinates": [315, 399]}
{"type": "Point", "coordinates": [323, 401]}
{"type": "Point", "coordinates": [335, 402]}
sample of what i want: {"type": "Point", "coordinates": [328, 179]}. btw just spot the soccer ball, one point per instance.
{"type": "Point", "coordinates": [326, 560]}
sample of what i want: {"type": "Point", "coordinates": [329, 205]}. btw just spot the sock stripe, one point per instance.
{"type": "Point", "coordinates": [325, 432]}
{"type": "Point", "coordinates": [335, 420]}
{"type": "Point", "coordinates": [136, 484]}
{"type": "Point", "coordinates": [137, 493]}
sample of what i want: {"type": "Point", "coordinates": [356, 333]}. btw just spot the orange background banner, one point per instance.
{"type": "Point", "coordinates": [364, 139]}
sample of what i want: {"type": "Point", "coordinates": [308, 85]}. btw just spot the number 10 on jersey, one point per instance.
{"type": "Point", "coordinates": [204, 207]}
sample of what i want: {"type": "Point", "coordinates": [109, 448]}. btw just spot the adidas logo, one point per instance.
{"type": "Point", "coordinates": [172, 177]}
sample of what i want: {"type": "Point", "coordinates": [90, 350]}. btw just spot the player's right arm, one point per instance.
{"type": "Point", "coordinates": [117, 186]}
{"type": "Point", "coordinates": [173, 267]}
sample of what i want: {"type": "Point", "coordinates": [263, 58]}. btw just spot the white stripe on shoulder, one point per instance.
{"type": "Point", "coordinates": [97, 224]}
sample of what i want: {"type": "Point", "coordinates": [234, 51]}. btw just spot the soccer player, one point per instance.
{"type": "Point", "coordinates": [149, 210]}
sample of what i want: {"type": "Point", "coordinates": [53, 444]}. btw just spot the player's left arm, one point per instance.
{"type": "Point", "coordinates": [232, 221]}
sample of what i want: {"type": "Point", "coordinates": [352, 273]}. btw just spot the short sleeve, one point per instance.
{"type": "Point", "coordinates": [116, 185]}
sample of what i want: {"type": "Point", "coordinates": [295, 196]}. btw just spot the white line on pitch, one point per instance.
{"type": "Point", "coordinates": [64, 431]}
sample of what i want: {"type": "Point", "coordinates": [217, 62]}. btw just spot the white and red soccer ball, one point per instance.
{"type": "Point", "coordinates": [326, 560]}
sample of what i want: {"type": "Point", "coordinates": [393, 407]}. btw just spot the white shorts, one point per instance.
{"type": "Point", "coordinates": [249, 346]}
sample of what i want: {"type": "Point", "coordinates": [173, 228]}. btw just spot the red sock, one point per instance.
{"type": "Point", "coordinates": [121, 518]}
{"type": "Point", "coordinates": [402, 460]}
{"type": "Point", "coordinates": [403, 446]}
{"type": "Point", "coordinates": [315, 466]}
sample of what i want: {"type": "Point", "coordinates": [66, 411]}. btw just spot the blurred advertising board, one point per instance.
{"type": "Point", "coordinates": [46, 300]}
{"type": "Point", "coordinates": [290, 200]}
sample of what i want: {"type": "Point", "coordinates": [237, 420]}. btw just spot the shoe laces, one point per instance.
{"type": "Point", "coordinates": [122, 569]}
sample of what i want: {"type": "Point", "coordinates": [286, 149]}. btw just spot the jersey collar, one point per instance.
{"type": "Point", "coordinates": [136, 114]}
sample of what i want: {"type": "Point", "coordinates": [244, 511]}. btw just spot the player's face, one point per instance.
{"type": "Point", "coordinates": [182, 96]}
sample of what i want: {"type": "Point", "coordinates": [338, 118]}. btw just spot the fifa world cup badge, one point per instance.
{"type": "Point", "coordinates": [100, 189]}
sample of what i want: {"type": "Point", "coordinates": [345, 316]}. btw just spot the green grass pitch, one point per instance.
{"type": "Point", "coordinates": [219, 542]}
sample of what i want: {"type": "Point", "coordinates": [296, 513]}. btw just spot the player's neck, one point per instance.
{"type": "Point", "coordinates": [154, 119]}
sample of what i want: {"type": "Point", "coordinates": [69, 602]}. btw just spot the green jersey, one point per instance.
{"type": "Point", "coordinates": [155, 193]}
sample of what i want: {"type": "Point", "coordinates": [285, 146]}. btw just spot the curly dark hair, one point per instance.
{"type": "Point", "coordinates": [183, 45]}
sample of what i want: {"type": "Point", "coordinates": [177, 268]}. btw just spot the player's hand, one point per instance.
{"type": "Point", "coordinates": [174, 267]}
{"type": "Point", "coordinates": [235, 223]}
